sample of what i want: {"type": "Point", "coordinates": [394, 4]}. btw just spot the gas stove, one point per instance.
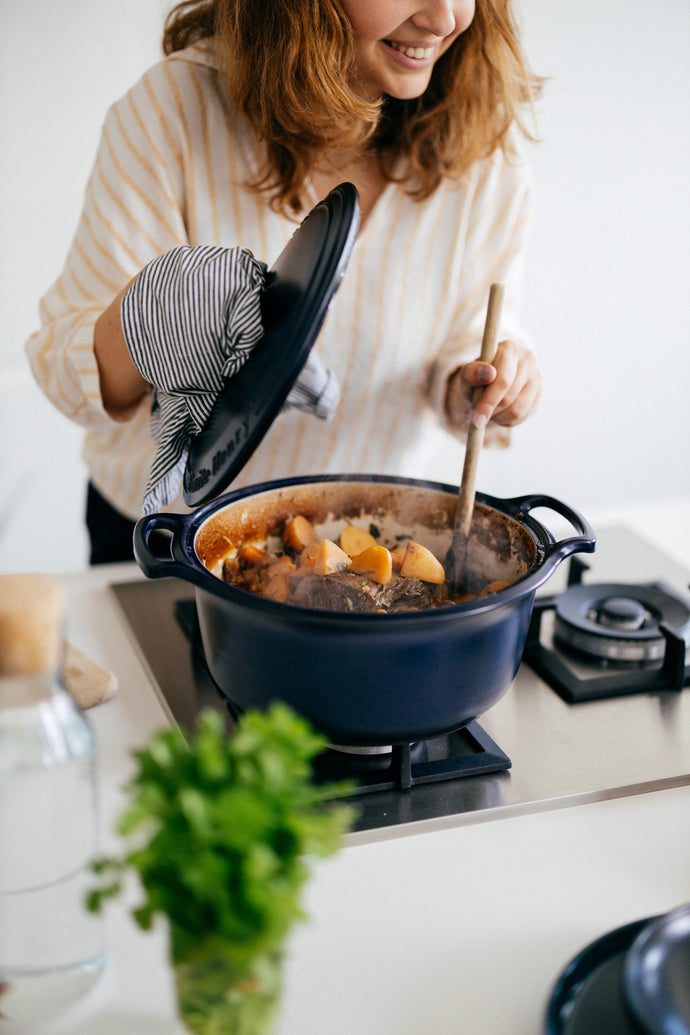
{"type": "Point", "coordinates": [611, 639]}
{"type": "Point", "coordinates": [598, 708]}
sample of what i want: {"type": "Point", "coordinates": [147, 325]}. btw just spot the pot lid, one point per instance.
{"type": "Point", "coordinates": [299, 288]}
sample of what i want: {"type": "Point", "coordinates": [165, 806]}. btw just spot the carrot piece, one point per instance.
{"type": "Point", "coordinates": [375, 562]}
{"type": "Point", "coordinates": [251, 554]}
{"type": "Point", "coordinates": [493, 587]}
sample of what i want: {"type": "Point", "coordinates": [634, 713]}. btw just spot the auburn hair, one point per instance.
{"type": "Point", "coordinates": [289, 68]}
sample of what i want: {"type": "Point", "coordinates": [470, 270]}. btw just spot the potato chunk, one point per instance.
{"type": "Point", "coordinates": [398, 556]}
{"type": "Point", "coordinates": [420, 563]}
{"type": "Point", "coordinates": [330, 558]}
{"type": "Point", "coordinates": [354, 540]}
{"type": "Point", "coordinates": [298, 532]}
{"type": "Point", "coordinates": [375, 562]}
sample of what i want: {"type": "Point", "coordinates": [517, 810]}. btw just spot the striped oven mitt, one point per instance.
{"type": "Point", "coordinates": [190, 320]}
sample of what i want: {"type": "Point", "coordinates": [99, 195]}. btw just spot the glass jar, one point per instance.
{"type": "Point", "coordinates": [51, 947]}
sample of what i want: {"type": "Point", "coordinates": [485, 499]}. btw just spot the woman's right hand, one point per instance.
{"type": "Point", "coordinates": [512, 388]}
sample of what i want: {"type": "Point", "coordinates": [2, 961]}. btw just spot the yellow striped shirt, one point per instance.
{"type": "Point", "coordinates": [170, 170]}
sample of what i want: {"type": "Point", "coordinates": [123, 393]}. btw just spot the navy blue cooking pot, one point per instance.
{"type": "Point", "coordinates": [365, 679]}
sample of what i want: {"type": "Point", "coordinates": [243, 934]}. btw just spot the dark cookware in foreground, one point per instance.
{"type": "Point", "coordinates": [365, 679]}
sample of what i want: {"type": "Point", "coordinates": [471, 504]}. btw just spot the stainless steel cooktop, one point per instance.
{"type": "Point", "coordinates": [562, 753]}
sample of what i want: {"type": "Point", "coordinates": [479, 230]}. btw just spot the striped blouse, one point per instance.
{"type": "Point", "coordinates": [170, 170]}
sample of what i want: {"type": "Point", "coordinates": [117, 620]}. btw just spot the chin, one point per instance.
{"type": "Point", "coordinates": [406, 91]}
{"type": "Point", "coordinates": [406, 95]}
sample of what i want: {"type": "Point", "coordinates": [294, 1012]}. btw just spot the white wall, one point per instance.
{"type": "Point", "coordinates": [61, 65]}
{"type": "Point", "coordinates": [607, 279]}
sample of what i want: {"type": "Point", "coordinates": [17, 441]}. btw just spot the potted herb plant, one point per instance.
{"type": "Point", "coordinates": [221, 831]}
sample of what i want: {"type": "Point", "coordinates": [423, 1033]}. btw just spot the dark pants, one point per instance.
{"type": "Point", "coordinates": [110, 531]}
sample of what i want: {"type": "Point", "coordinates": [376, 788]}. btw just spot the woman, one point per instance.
{"type": "Point", "coordinates": [248, 121]}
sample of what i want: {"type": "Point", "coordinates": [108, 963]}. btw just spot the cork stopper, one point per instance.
{"type": "Point", "coordinates": [31, 615]}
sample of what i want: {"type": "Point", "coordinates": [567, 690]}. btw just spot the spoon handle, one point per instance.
{"type": "Point", "coordinates": [475, 436]}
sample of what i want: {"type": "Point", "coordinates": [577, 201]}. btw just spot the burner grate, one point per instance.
{"type": "Point", "coordinates": [466, 752]}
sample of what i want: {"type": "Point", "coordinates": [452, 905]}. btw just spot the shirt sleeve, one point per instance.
{"type": "Point", "coordinates": [133, 210]}
{"type": "Point", "coordinates": [499, 217]}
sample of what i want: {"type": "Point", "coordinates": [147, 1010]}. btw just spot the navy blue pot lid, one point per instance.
{"type": "Point", "coordinates": [634, 980]}
{"type": "Point", "coordinates": [656, 978]}
{"type": "Point", "coordinates": [588, 998]}
{"type": "Point", "coordinates": [299, 289]}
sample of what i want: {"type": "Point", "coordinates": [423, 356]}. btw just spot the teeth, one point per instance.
{"type": "Point", "coordinates": [412, 52]}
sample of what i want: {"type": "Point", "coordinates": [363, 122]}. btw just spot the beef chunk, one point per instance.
{"type": "Point", "coordinates": [341, 591]}
{"type": "Point", "coordinates": [344, 591]}
{"type": "Point", "coordinates": [402, 594]}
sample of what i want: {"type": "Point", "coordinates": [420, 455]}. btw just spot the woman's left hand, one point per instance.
{"type": "Point", "coordinates": [512, 388]}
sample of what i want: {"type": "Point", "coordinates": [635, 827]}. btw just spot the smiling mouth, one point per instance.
{"type": "Point", "coordinates": [419, 53]}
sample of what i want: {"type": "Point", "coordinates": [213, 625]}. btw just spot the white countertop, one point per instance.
{"type": "Point", "coordinates": [459, 929]}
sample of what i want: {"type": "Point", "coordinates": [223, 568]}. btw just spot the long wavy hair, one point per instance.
{"type": "Point", "coordinates": [289, 68]}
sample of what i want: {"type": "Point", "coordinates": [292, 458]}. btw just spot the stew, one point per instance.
{"type": "Point", "coordinates": [355, 573]}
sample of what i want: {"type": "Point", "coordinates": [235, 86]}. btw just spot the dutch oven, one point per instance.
{"type": "Point", "coordinates": [361, 679]}
{"type": "Point", "coordinates": [365, 679]}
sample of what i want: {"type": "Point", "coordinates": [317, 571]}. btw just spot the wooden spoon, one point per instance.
{"type": "Point", "coordinates": [456, 558]}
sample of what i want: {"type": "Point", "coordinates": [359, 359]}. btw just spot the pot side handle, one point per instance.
{"type": "Point", "coordinates": [584, 542]}
{"type": "Point", "coordinates": [153, 565]}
